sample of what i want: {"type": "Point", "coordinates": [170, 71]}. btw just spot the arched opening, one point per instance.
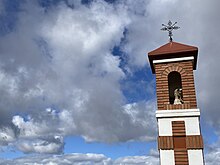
{"type": "Point", "coordinates": [174, 82]}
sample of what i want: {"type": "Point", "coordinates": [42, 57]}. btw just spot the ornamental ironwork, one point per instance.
{"type": "Point", "coordinates": [170, 27]}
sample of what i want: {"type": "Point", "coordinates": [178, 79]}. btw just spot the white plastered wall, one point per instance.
{"type": "Point", "coordinates": [167, 157]}
{"type": "Point", "coordinates": [190, 118]}
{"type": "Point", "coordinates": [192, 126]}
{"type": "Point", "coordinates": [195, 157]}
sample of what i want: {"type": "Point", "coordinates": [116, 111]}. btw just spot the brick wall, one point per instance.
{"type": "Point", "coordinates": [185, 68]}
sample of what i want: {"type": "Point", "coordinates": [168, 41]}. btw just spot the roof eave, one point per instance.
{"type": "Point", "coordinates": [193, 52]}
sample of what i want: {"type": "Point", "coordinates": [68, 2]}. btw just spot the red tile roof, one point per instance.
{"type": "Point", "coordinates": [173, 50]}
{"type": "Point", "coordinates": [172, 47]}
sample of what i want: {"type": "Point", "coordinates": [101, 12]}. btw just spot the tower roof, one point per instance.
{"type": "Point", "coordinates": [173, 50]}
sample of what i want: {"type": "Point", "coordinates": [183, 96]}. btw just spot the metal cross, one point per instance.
{"type": "Point", "coordinates": [170, 27]}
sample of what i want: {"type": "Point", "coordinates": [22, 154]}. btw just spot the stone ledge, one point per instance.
{"type": "Point", "coordinates": [178, 113]}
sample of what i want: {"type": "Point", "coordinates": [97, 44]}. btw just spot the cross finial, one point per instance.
{"type": "Point", "coordinates": [170, 27]}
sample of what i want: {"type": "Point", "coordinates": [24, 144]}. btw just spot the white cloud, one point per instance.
{"type": "Point", "coordinates": [212, 153]}
{"type": "Point", "coordinates": [59, 78]}
{"type": "Point", "coordinates": [61, 59]}
{"type": "Point", "coordinates": [68, 159]}
{"type": "Point", "coordinates": [7, 136]}
{"type": "Point", "coordinates": [151, 159]}
{"type": "Point", "coordinates": [142, 116]}
{"type": "Point", "coordinates": [213, 156]}
{"type": "Point", "coordinates": [43, 146]}
{"type": "Point", "coordinates": [198, 27]}
{"type": "Point", "coordinates": [137, 160]}
{"type": "Point", "coordinates": [83, 159]}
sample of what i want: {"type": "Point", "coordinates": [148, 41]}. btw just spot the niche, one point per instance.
{"type": "Point", "coordinates": [174, 82]}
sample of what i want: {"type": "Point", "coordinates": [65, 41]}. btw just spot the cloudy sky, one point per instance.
{"type": "Point", "coordinates": [75, 82]}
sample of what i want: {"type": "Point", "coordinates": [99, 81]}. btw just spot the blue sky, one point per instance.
{"type": "Point", "coordinates": [75, 78]}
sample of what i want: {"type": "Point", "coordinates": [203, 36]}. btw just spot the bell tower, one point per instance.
{"type": "Point", "coordinates": [179, 139]}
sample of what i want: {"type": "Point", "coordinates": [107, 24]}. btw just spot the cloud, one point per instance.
{"type": "Point", "coordinates": [68, 159]}
{"type": "Point", "coordinates": [85, 159]}
{"type": "Point", "coordinates": [213, 156]}
{"type": "Point", "coordinates": [44, 146]}
{"type": "Point", "coordinates": [7, 135]}
{"type": "Point", "coordinates": [59, 77]}
{"type": "Point", "coordinates": [212, 153]}
{"type": "Point", "coordinates": [197, 31]}
{"type": "Point", "coordinates": [137, 160]}
{"type": "Point", "coordinates": [151, 159]}
{"type": "Point", "coordinates": [198, 27]}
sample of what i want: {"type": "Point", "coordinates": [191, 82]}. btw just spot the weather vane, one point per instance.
{"type": "Point", "coordinates": [170, 27]}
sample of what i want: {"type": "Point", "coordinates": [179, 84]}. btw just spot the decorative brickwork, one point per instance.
{"type": "Point", "coordinates": [178, 106]}
{"type": "Point", "coordinates": [181, 157]}
{"type": "Point", "coordinates": [178, 128]}
{"type": "Point", "coordinates": [194, 142]}
{"type": "Point", "coordinates": [179, 143]}
{"type": "Point", "coordinates": [185, 68]}
{"type": "Point", "coordinates": [165, 142]}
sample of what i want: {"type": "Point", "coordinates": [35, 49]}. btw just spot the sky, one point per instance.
{"type": "Point", "coordinates": [75, 82]}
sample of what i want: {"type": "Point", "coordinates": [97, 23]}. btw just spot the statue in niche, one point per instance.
{"type": "Point", "coordinates": [178, 96]}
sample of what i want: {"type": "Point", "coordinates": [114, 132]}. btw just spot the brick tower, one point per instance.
{"type": "Point", "coordinates": [180, 140]}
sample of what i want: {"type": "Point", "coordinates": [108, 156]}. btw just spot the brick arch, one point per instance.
{"type": "Point", "coordinates": [172, 68]}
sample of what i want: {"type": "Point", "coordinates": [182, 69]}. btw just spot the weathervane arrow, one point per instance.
{"type": "Point", "coordinates": [170, 27]}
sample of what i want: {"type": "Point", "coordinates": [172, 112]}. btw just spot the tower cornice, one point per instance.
{"type": "Point", "coordinates": [173, 50]}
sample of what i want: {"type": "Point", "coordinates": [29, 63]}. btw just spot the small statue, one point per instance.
{"type": "Point", "coordinates": [178, 96]}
